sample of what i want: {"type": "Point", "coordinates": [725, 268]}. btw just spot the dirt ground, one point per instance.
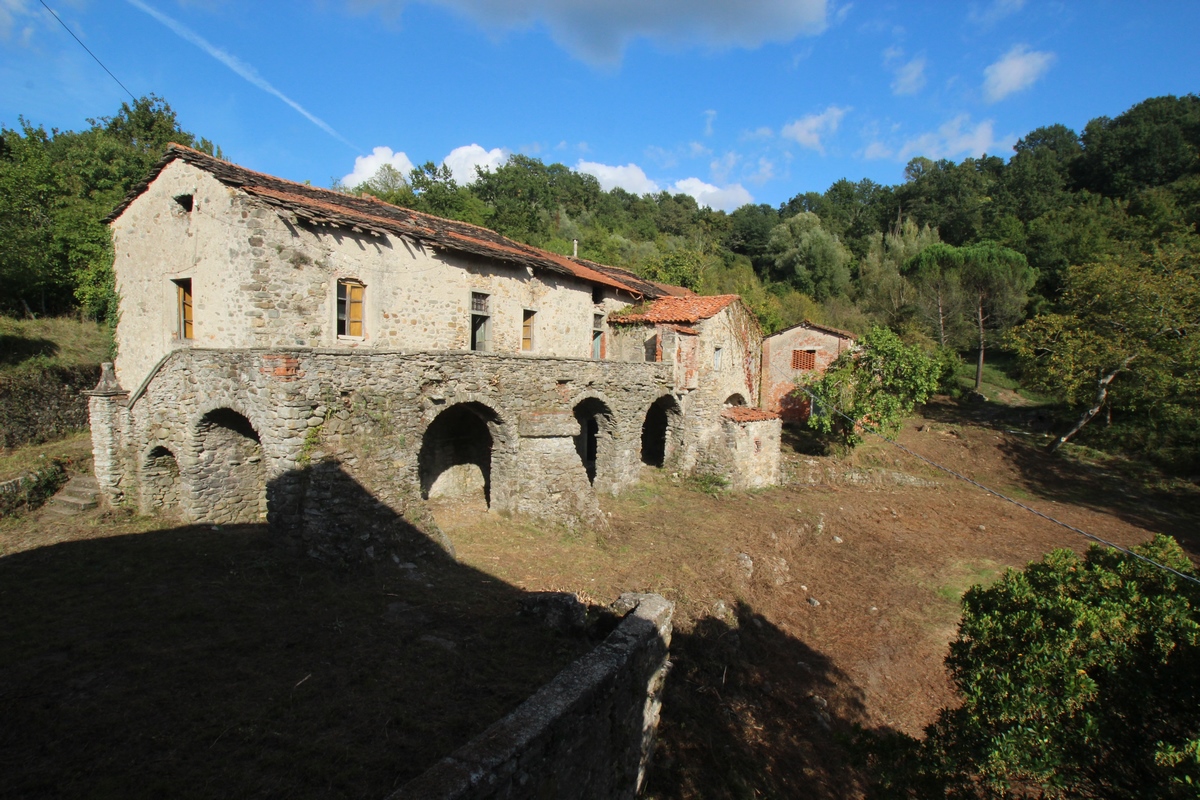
{"type": "Point", "coordinates": [812, 621]}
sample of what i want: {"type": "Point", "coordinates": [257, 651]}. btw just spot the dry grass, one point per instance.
{"type": "Point", "coordinates": [59, 341]}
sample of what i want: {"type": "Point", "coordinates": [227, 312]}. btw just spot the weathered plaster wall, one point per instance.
{"type": "Point", "coordinates": [778, 377]}
{"type": "Point", "coordinates": [587, 734]}
{"type": "Point", "coordinates": [248, 428]}
{"type": "Point", "coordinates": [261, 280]}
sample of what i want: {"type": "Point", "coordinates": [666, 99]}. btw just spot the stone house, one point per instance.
{"type": "Point", "coordinates": [275, 338]}
{"type": "Point", "coordinates": [801, 350]}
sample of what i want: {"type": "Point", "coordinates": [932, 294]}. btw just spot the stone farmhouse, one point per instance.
{"type": "Point", "coordinates": [794, 352]}
{"type": "Point", "coordinates": [276, 340]}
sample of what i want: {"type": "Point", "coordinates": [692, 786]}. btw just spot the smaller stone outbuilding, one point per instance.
{"type": "Point", "coordinates": [801, 350]}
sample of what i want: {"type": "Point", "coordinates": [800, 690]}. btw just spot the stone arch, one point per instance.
{"type": "Point", "coordinates": [161, 484]}
{"type": "Point", "coordinates": [596, 441]}
{"type": "Point", "coordinates": [456, 456]}
{"type": "Point", "coordinates": [661, 431]}
{"type": "Point", "coordinates": [735, 399]}
{"type": "Point", "coordinates": [229, 483]}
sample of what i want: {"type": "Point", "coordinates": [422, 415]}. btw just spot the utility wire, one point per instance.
{"type": "Point", "coordinates": [865, 428]}
{"type": "Point", "coordinates": [85, 47]}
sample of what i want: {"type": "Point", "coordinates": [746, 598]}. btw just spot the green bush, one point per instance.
{"type": "Point", "coordinates": [35, 490]}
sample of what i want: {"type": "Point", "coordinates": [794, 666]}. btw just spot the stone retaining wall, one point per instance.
{"type": "Point", "coordinates": [587, 735]}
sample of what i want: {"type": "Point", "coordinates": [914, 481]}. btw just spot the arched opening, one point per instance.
{"type": "Point", "coordinates": [231, 484]}
{"type": "Point", "coordinates": [160, 482]}
{"type": "Point", "coordinates": [595, 436]}
{"type": "Point", "coordinates": [734, 400]}
{"type": "Point", "coordinates": [456, 454]}
{"type": "Point", "coordinates": [659, 431]}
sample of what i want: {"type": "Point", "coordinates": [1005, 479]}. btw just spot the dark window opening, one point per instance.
{"type": "Point", "coordinates": [184, 201]}
{"type": "Point", "coordinates": [481, 322]}
{"type": "Point", "coordinates": [597, 295]}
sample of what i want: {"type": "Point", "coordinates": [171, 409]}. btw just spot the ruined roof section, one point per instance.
{"type": "Point", "coordinates": [370, 215]}
{"type": "Point", "coordinates": [816, 327]}
{"type": "Point", "coordinates": [747, 414]}
{"type": "Point", "coordinates": [677, 309]}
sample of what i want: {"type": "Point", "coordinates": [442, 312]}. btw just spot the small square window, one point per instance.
{"type": "Point", "coordinates": [804, 359]}
{"type": "Point", "coordinates": [183, 308]}
{"type": "Point", "coordinates": [350, 308]}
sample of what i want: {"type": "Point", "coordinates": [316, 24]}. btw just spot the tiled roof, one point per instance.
{"type": "Point", "coordinates": [677, 309]}
{"type": "Point", "coordinates": [365, 214]}
{"type": "Point", "coordinates": [747, 414]}
{"type": "Point", "coordinates": [816, 327]}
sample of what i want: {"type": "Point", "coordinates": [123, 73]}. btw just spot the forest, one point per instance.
{"type": "Point", "coordinates": [1074, 259]}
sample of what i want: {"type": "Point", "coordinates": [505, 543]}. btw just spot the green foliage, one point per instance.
{"type": "Point", "coordinates": [35, 489]}
{"type": "Point", "coordinates": [680, 268]}
{"type": "Point", "coordinates": [1078, 678]}
{"type": "Point", "coordinates": [809, 257]}
{"type": "Point", "coordinates": [872, 386]}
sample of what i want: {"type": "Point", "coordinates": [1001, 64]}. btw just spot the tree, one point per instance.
{"type": "Point", "coordinates": [1126, 333]}
{"type": "Point", "coordinates": [810, 257]}
{"type": "Point", "coordinates": [885, 291]}
{"type": "Point", "coordinates": [994, 282]}
{"type": "Point", "coordinates": [872, 386]}
{"type": "Point", "coordinates": [1078, 678]}
{"type": "Point", "coordinates": [1152, 144]}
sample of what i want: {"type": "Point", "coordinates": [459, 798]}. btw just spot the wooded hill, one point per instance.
{"type": "Point", "coordinates": [1078, 253]}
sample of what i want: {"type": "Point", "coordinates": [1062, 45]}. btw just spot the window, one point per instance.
{"type": "Point", "coordinates": [597, 336]}
{"type": "Point", "coordinates": [717, 358]}
{"type": "Point", "coordinates": [183, 308]}
{"type": "Point", "coordinates": [804, 359]}
{"type": "Point", "coordinates": [350, 308]}
{"type": "Point", "coordinates": [184, 201]}
{"type": "Point", "coordinates": [527, 329]}
{"type": "Point", "coordinates": [597, 295]}
{"type": "Point", "coordinates": [481, 322]}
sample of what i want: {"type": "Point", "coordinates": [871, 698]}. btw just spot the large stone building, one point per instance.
{"type": "Point", "coordinates": [276, 338]}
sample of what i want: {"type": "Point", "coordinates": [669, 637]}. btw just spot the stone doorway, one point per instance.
{"type": "Point", "coordinates": [161, 484]}
{"type": "Point", "coordinates": [595, 440]}
{"type": "Point", "coordinates": [660, 431]}
{"type": "Point", "coordinates": [455, 461]}
{"type": "Point", "coordinates": [230, 482]}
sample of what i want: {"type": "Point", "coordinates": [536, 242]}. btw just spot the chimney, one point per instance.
{"type": "Point", "coordinates": [575, 248]}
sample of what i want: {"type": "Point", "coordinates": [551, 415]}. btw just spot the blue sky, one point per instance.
{"type": "Point", "coordinates": [732, 102]}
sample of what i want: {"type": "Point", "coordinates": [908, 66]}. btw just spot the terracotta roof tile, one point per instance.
{"type": "Point", "coordinates": [371, 215]}
{"type": "Point", "coordinates": [677, 309]}
{"type": "Point", "coordinates": [815, 326]}
{"type": "Point", "coordinates": [747, 414]}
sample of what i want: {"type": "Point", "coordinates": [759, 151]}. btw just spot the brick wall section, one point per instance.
{"type": "Point", "coordinates": [585, 735]}
{"type": "Point", "coordinates": [778, 376]}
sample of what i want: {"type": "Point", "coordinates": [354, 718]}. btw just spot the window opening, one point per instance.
{"type": "Point", "coordinates": [185, 202]}
{"type": "Point", "coordinates": [183, 308]}
{"type": "Point", "coordinates": [481, 322]}
{"type": "Point", "coordinates": [597, 336]}
{"type": "Point", "coordinates": [717, 358]}
{"type": "Point", "coordinates": [597, 295]}
{"type": "Point", "coordinates": [804, 359]}
{"type": "Point", "coordinates": [350, 308]}
{"type": "Point", "coordinates": [527, 329]}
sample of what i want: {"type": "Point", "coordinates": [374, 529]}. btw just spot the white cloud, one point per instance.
{"type": "Point", "coordinates": [955, 138]}
{"type": "Point", "coordinates": [10, 10]}
{"type": "Point", "coordinates": [910, 77]}
{"type": "Point", "coordinates": [462, 162]}
{"type": "Point", "coordinates": [729, 198]}
{"type": "Point", "coordinates": [599, 32]}
{"type": "Point", "coordinates": [1018, 69]}
{"type": "Point", "coordinates": [808, 131]}
{"type": "Point", "coordinates": [630, 177]}
{"type": "Point", "coordinates": [366, 166]}
{"type": "Point", "coordinates": [877, 150]}
{"type": "Point", "coordinates": [766, 171]}
{"type": "Point", "coordinates": [710, 117]}
{"type": "Point", "coordinates": [994, 11]}
{"type": "Point", "coordinates": [722, 166]}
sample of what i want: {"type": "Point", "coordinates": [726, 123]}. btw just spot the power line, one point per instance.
{"type": "Point", "coordinates": [865, 428]}
{"type": "Point", "coordinates": [89, 52]}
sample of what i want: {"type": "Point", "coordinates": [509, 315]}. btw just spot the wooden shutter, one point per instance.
{"type": "Point", "coordinates": [354, 309]}
{"type": "Point", "coordinates": [184, 291]}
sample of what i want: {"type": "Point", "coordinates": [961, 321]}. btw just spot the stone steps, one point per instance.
{"type": "Point", "coordinates": [81, 494]}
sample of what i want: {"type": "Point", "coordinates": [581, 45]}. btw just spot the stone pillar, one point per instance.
{"type": "Point", "coordinates": [553, 482]}
{"type": "Point", "coordinates": [106, 407]}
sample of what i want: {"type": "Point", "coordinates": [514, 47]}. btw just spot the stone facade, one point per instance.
{"type": "Point", "coordinates": [586, 735]}
{"type": "Point", "coordinates": [272, 334]}
{"type": "Point", "coordinates": [799, 351]}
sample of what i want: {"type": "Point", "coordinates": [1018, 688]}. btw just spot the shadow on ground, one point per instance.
{"type": "Point", "coordinates": [205, 662]}
{"type": "Point", "coordinates": [750, 711]}
{"type": "Point", "coordinates": [16, 349]}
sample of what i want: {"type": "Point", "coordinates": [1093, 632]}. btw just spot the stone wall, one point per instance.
{"type": "Point", "coordinates": [586, 734]}
{"type": "Point", "coordinates": [39, 405]}
{"type": "Point", "coordinates": [243, 426]}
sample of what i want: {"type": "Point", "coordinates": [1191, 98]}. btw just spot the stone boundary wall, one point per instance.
{"type": "Point", "coordinates": [37, 406]}
{"type": "Point", "coordinates": [586, 735]}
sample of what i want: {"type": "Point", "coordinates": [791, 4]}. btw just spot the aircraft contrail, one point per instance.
{"type": "Point", "coordinates": [240, 67]}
